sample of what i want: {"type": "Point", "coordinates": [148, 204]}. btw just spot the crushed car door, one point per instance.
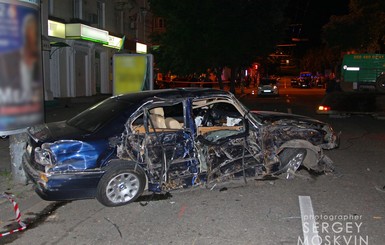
{"type": "Point", "coordinates": [222, 140]}
{"type": "Point", "coordinates": [168, 145]}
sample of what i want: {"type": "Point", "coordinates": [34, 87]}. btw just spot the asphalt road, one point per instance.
{"type": "Point", "coordinates": [348, 206]}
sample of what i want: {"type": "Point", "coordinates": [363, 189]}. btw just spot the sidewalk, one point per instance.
{"type": "Point", "coordinates": [30, 204]}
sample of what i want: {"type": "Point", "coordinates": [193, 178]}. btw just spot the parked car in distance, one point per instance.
{"type": "Point", "coordinates": [305, 80]}
{"type": "Point", "coordinates": [268, 86]}
{"type": "Point", "coordinates": [162, 140]}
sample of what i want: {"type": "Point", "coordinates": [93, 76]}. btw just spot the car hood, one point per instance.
{"type": "Point", "coordinates": [270, 117]}
{"type": "Point", "coordinates": [288, 126]}
{"type": "Point", "coordinates": [50, 132]}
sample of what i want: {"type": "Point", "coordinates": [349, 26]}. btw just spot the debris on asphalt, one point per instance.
{"type": "Point", "coordinates": [380, 189]}
{"type": "Point", "coordinates": [115, 225]}
{"type": "Point", "coordinates": [182, 211]}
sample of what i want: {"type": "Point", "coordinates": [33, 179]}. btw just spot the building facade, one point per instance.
{"type": "Point", "coordinates": [80, 38]}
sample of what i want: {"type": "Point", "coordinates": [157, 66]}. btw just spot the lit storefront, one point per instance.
{"type": "Point", "coordinates": [79, 60]}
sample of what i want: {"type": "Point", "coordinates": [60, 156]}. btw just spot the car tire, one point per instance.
{"type": "Point", "coordinates": [289, 158]}
{"type": "Point", "coordinates": [122, 183]}
{"type": "Point", "coordinates": [380, 84]}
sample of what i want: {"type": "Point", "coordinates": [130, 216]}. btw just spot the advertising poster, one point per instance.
{"type": "Point", "coordinates": [21, 99]}
{"type": "Point", "coordinates": [132, 73]}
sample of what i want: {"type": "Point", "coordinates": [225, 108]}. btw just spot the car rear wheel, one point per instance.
{"type": "Point", "coordinates": [291, 158]}
{"type": "Point", "coordinates": [121, 184]}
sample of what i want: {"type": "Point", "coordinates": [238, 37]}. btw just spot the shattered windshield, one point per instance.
{"type": "Point", "coordinates": [98, 115]}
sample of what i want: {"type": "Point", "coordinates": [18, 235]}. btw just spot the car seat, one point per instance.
{"type": "Point", "coordinates": [157, 117]}
{"type": "Point", "coordinates": [172, 123]}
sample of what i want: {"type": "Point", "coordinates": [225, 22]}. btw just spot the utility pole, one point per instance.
{"type": "Point", "coordinates": [17, 144]}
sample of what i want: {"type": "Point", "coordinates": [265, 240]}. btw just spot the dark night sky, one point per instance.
{"type": "Point", "coordinates": [313, 14]}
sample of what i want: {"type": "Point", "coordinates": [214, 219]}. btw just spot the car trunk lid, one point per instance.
{"type": "Point", "coordinates": [54, 131]}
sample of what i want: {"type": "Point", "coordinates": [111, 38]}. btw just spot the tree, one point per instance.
{"type": "Point", "coordinates": [320, 59]}
{"type": "Point", "coordinates": [362, 30]}
{"type": "Point", "coordinates": [203, 34]}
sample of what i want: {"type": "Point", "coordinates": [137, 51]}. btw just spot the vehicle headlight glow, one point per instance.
{"type": "Point", "coordinates": [323, 108]}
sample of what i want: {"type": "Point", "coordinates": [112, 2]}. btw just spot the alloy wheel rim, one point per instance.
{"type": "Point", "coordinates": [122, 188]}
{"type": "Point", "coordinates": [295, 163]}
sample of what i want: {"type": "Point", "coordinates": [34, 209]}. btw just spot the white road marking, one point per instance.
{"type": "Point", "coordinates": [309, 227]}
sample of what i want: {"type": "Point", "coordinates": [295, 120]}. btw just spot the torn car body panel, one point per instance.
{"type": "Point", "coordinates": [179, 138]}
{"type": "Point", "coordinates": [282, 131]}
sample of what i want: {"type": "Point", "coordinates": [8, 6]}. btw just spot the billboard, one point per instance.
{"type": "Point", "coordinates": [21, 83]}
{"type": "Point", "coordinates": [132, 73]}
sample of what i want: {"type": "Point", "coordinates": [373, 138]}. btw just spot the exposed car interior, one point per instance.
{"type": "Point", "coordinates": [159, 121]}
{"type": "Point", "coordinates": [214, 115]}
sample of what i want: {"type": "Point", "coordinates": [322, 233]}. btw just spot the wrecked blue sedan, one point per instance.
{"type": "Point", "coordinates": [163, 140]}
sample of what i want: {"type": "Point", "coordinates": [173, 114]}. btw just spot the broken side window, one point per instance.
{"type": "Point", "coordinates": [166, 117]}
{"type": "Point", "coordinates": [137, 126]}
{"type": "Point", "coordinates": [217, 119]}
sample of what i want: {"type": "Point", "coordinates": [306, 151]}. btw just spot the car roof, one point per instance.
{"type": "Point", "coordinates": [168, 94]}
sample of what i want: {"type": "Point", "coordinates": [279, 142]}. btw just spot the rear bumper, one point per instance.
{"type": "Point", "coordinates": [267, 92]}
{"type": "Point", "coordinates": [61, 186]}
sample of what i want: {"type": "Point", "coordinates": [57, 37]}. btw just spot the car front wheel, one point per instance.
{"type": "Point", "coordinates": [291, 159]}
{"type": "Point", "coordinates": [121, 184]}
